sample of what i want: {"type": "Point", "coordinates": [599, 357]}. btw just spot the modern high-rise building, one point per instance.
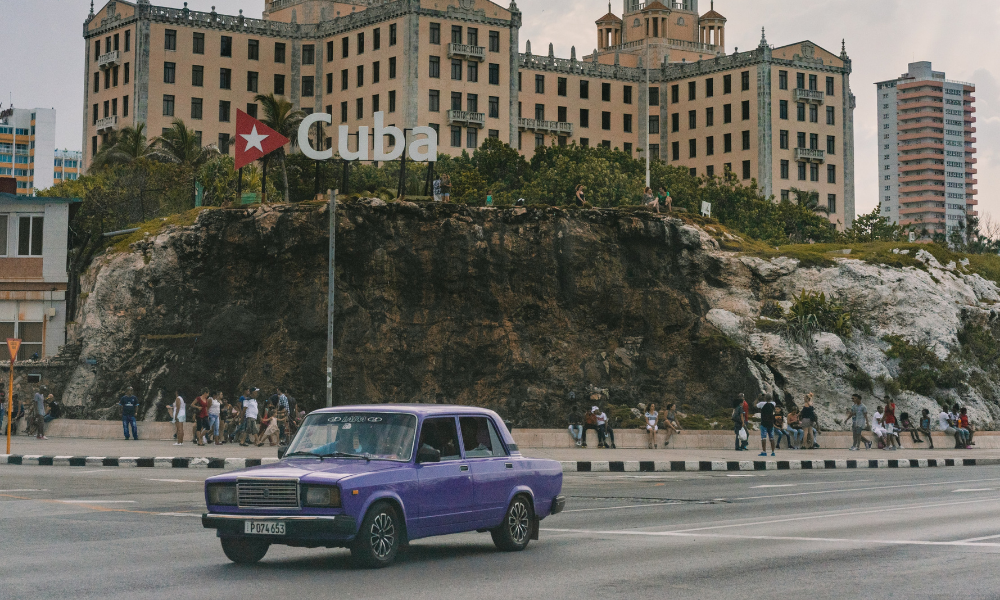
{"type": "Point", "coordinates": [660, 76]}
{"type": "Point", "coordinates": [27, 148]}
{"type": "Point", "coordinates": [67, 165]}
{"type": "Point", "coordinates": [926, 144]}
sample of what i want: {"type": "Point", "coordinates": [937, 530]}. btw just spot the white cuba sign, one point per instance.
{"type": "Point", "coordinates": [420, 150]}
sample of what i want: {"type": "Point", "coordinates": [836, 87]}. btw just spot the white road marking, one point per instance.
{"type": "Point", "coordinates": [776, 538]}
{"type": "Point", "coordinates": [974, 490]}
{"type": "Point", "coordinates": [94, 471]}
{"type": "Point", "coordinates": [742, 475]}
{"type": "Point", "coordinates": [176, 480]}
{"type": "Point", "coordinates": [775, 485]}
{"type": "Point", "coordinates": [976, 539]}
{"type": "Point", "coordinates": [170, 514]}
{"type": "Point", "coordinates": [97, 501]}
{"type": "Point", "coordinates": [866, 489]}
{"type": "Point", "coordinates": [618, 507]}
{"type": "Point", "coordinates": [24, 490]}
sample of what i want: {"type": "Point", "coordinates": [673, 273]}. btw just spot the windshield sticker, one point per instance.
{"type": "Point", "coordinates": [353, 419]}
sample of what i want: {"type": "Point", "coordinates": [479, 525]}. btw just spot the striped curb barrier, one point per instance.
{"type": "Point", "coordinates": [650, 466]}
{"type": "Point", "coordinates": [581, 466]}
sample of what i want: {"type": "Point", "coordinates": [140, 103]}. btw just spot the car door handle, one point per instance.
{"type": "Point", "coordinates": [509, 465]}
{"type": "Point", "coordinates": [464, 468]}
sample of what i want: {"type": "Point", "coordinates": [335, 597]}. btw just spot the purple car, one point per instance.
{"type": "Point", "coordinates": [373, 478]}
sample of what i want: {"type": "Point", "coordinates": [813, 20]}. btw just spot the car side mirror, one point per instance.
{"type": "Point", "coordinates": [426, 454]}
{"type": "Point", "coordinates": [281, 451]}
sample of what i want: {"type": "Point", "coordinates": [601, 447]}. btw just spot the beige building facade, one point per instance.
{"type": "Point", "coordinates": [658, 75]}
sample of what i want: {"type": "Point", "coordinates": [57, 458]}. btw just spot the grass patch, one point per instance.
{"type": "Point", "coordinates": [121, 243]}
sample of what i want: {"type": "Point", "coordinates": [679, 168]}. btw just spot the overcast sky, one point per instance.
{"type": "Point", "coordinates": [41, 55]}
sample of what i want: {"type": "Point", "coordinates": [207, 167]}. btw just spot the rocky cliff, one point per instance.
{"type": "Point", "coordinates": [514, 309]}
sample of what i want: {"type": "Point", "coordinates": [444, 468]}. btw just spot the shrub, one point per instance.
{"type": "Point", "coordinates": [920, 369]}
{"type": "Point", "coordinates": [812, 312]}
{"type": "Point", "coordinates": [860, 380]}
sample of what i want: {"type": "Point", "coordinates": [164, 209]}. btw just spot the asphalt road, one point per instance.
{"type": "Point", "coordinates": [134, 533]}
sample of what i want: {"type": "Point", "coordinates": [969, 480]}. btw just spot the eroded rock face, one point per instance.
{"type": "Point", "coordinates": [511, 309]}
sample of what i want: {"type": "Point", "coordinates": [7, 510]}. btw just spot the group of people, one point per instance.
{"type": "Point", "coordinates": [42, 409]}
{"type": "Point", "coordinates": [441, 188]}
{"type": "Point", "coordinates": [799, 429]}
{"type": "Point", "coordinates": [597, 420]}
{"type": "Point", "coordinates": [246, 421]}
{"type": "Point", "coordinates": [654, 201]}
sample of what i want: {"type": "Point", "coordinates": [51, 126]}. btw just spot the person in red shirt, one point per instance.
{"type": "Point", "coordinates": [746, 416]}
{"type": "Point", "coordinates": [963, 422]}
{"type": "Point", "coordinates": [891, 429]}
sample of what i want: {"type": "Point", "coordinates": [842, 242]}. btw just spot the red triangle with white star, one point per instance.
{"type": "Point", "coordinates": [254, 139]}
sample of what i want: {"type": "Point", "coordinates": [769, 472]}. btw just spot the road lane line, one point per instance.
{"type": "Point", "coordinates": [618, 507]}
{"type": "Point", "coordinates": [176, 514]}
{"type": "Point", "coordinates": [24, 490]}
{"type": "Point", "coordinates": [777, 485]}
{"type": "Point", "coordinates": [776, 538]}
{"type": "Point", "coordinates": [176, 480]}
{"type": "Point", "coordinates": [976, 539]}
{"type": "Point", "coordinates": [866, 489]}
{"type": "Point", "coordinates": [974, 490]}
{"type": "Point", "coordinates": [97, 501]}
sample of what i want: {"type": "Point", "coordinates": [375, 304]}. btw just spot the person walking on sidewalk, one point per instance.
{"type": "Point", "coordinates": [130, 407]}
{"type": "Point", "coordinates": [40, 413]}
{"type": "Point", "coordinates": [766, 406]}
{"type": "Point", "coordinates": [858, 415]}
{"type": "Point", "coordinates": [179, 415]}
{"type": "Point", "coordinates": [739, 421]}
{"type": "Point", "coordinates": [808, 418]}
{"type": "Point", "coordinates": [652, 418]}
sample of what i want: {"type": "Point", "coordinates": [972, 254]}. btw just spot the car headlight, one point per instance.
{"type": "Point", "coordinates": [322, 496]}
{"type": "Point", "coordinates": [222, 494]}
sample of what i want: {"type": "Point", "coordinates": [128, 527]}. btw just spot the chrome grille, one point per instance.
{"type": "Point", "coordinates": [268, 493]}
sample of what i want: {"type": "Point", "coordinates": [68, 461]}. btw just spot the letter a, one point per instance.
{"type": "Point", "coordinates": [428, 144]}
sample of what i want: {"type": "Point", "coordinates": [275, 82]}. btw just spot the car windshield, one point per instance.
{"type": "Point", "coordinates": [376, 436]}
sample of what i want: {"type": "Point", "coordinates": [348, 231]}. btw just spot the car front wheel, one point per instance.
{"type": "Point", "coordinates": [515, 532]}
{"type": "Point", "coordinates": [244, 552]}
{"type": "Point", "coordinates": [379, 538]}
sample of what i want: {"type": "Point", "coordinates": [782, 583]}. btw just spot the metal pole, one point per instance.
{"type": "Point", "coordinates": [330, 299]}
{"type": "Point", "coordinates": [239, 187]}
{"type": "Point", "coordinates": [263, 184]}
{"type": "Point", "coordinates": [10, 400]}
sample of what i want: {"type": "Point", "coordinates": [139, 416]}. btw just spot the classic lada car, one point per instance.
{"type": "Point", "coordinates": [373, 478]}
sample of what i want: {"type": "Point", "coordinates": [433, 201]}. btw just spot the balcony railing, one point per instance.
{"type": "Point", "coordinates": [464, 117]}
{"type": "Point", "coordinates": [107, 123]}
{"type": "Point", "coordinates": [109, 59]}
{"type": "Point", "coordinates": [809, 155]}
{"type": "Point", "coordinates": [546, 126]}
{"type": "Point", "coordinates": [466, 51]}
{"type": "Point", "coordinates": [804, 95]}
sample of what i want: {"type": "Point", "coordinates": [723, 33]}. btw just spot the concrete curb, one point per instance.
{"type": "Point", "coordinates": [581, 466]}
{"type": "Point", "coordinates": [650, 466]}
{"type": "Point", "coordinates": [157, 462]}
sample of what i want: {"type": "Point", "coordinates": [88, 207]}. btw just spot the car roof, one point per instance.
{"type": "Point", "coordinates": [422, 410]}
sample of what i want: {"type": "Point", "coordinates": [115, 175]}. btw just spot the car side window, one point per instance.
{"type": "Point", "coordinates": [479, 438]}
{"type": "Point", "coordinates": [441, 434]}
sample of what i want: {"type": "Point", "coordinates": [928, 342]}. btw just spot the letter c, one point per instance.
{"type": "Point", "coordinates": [304, 141]}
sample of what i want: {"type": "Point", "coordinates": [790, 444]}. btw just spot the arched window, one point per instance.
{"type": "Point", "coordinates": [680, 21]}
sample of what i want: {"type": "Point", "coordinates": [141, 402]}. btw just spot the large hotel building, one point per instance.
{"type": "Point", "coordinates": [660, 75]}
{"type": "Point", "coordinates": [926, 127]}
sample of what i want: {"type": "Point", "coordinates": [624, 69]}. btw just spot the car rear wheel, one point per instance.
{"type": "Point", "coordinates": [243, 551]}
{"type": "Point", "coordinates": [378, 540]}
{"type": "Point", "coordinates": [515, 532]}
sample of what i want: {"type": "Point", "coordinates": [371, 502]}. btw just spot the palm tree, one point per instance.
{"type": "Point", "coordinates": [181, 146]}
{"type": "Point", "coordinates": [280, 115]}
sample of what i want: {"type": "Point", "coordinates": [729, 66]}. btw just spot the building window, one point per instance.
{"type": "Point", "coordinates": [227, 46]}
{"type": "Point", "coordinates": [800, 81]}
{"type": "Point", "coordinates": [745, 109]}
{"type": "Point", "coordinates": [627, 94]}
{"type": "Point", "coordinates": [675, 151]}
{"type": "Point", "coordinates": [800, 111]}
{"type": "Point", "coordinates": [746, 140]}
{"type": "Point", "coordinates": [456, 137]}
{"type": "Point", "coordinates": [168, 105]}
{"type": "Point", "coordinates": [359, 108]}
{"type": "Point", "coordinates": [252, 78]}
{"type": "Point", "coordinates": [782, 80]}
{"type": "Point", "coordinates": [584, 118]}
{"type": "Point", "coordinates": [329, 51]}
{"type": "Point", "coordinates": [392, 101]}
{"type": "Point", "coordinates": [114, 77]}
{"type": "Point", "coordinates": [494, 41]}
{"type": "Point", "coordinates": [343, 112]}
{"type": "Point", "coordinates": [606, 120]}
{"type": "Point", "coordinates": [279, 52]}
{"type": "Point", "coordinates": [377, 38]}
{"type": "Point", "coordinates": [784, 170]}
{"type": "Point", "coordinates": [813, 172]}
{"type": "Point", "coordinates": [345, 47]}
{"type": "Point", "coordinates": [125, 77]}
{"type": "Point", "coordinates": [97, 82]}
{"type": "Point", "coordinates": [831, 203]}
{"type": "Point", "coordinates": [125, 106]}
{"type": "Point", "coordinates": [223, 111]}
{"type": "Point", "coordinates": [692, 90]}
{"type": "Point", "coordinates": [628, 148]}
{"type": "Point", "coordinates": [746, 169]}
{"type": "Point", "coordinates": [709, 146]}
{"type": "Point", "coordinates": [169, 39]}
{"type": "Point", "coordinates": [224, 143]}
{"type": "Point", "coordinates": [654, 151]}
{"type": "Point", "coordinates": [456, 70]}
{"type": "Point", "coordinates": [675, 94]}
{"type": "Point", "coordinates": [29, 236]}
{"type": "Point", "coordinates": [472, 138]}
{"type": "Point", "coordinates": [376, 104]}
{"type": "Point", "coordinates": [307, 86]}
{"type": "Point", "coordinates": [831, 118]}
{"type": "Point", "coordinates": [279, 85]}
{"type": "Point", "coordinates": [783, 139]}
{"type": "Point", "coordinates": [727, 113]}
{"type": "Point", "coordinates": [253, 49]}
{"type": "Point", "coordinates": [435, 67]}
{"type": "Point", "coordinates": [675, 122]}
{"type": "Point", "coordinates": [709, 116]}
{"type": "Point", "coordinates": [168, 72]}
{"type": "Point", "coordinates": [584, 89]}
{"type": "Point", "coordinates": [814, 141]}
{"type": "Point", "coordinates": [606, 92]}
{"type": "Point", "coordinates": [225, 79]}
{"type": "Point", "coordinates": [539, 84]}
{"type": "Point", "coordinates": [392, 67]}
{"type": "Point", "coordinates": [195, 108]}
{"type": "Point", "coordinates": [539, 112]}
{"type": "Point", "coordinates": [473, 72]}
{"type": "Point", "coordinates": [434, 101]}
{"type": "Point", "coordinates": [745, 85]}
{"type": "Point", "coordinates": [627, 123]}
{"type": "Point", "coordinates": [376, 71]}
{"type": "Point", "coordinates": [813, 83]}
{"type": "Point", "coordinates": [561, 86]}
{"type": "Point", "coordinates": [128, 40]}
{"type": "Point", "coordinates": [710, 87]}
{"type": "Point", "coordinates": [831, 144]}
{"type": "Point", "coordinates": [361, 42]}
{"type": "Point", "coordinates": [813, 113]}
{"type": "Point", "coordinates": [392, 34]}
{"type": "Point", "coordinates": [495, 74]}
{"type": "Point", "coordinates": [360, 76]}
{"type": "Point", "coordinates": [252, 110]}
{"type": "Point", "coordinates": [308, 54]}
{"type": "Point", "coordinates": [472, 103]}
{"type": "Point", "coordinates": [654, 124]}
{"type": "Point", "coordinates": [692, 119]}
{"type": "Point", "coordinates": [654, 96]}
{"type": "Point", "coordinates": [692, 148]}
{"type": "Point", "coordinates": [472, 36]}
{"type": "Point", "coordinates": [831, 173]}
{"type": "Point", "coordinates": [829, 86]}
{"type": "Point", "coordinates": [435, 33]}
{"type": "Point", "coordinates": [727, 143]}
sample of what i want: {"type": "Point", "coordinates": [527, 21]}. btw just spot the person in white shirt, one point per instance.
{"type": "Point", "coordinates": [179, 417]}
{"type": "Point", "coordinates": [214, 410]}
{"type": "Point", "coordinates": [946, 423]}
{"type": "Point", "coordinates": [877, 427]}
{"type": "Point", "coordinates": [603, 430]}
{"type": "Point", "coordinates": [250, 419]}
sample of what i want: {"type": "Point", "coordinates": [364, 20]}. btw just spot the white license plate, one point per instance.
{"type": "Point", "coordinates": [264, 527]}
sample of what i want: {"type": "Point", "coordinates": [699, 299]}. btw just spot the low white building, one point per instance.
{"type": "Point", "coordinates": [34, 239]}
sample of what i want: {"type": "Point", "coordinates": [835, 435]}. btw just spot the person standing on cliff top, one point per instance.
{"type": "Point", "coordinates": [130, 407]}
{"type": "Point", "coordinates": [436, 189]}
{"type": "Point", "coordinates": [446, 188]}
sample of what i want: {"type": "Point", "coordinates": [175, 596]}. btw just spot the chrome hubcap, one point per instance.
{"type": "Point", "coordinates": [383, 535]}
{"type": "Point", "coordinates": [518, 523]}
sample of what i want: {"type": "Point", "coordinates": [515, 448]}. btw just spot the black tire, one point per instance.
{"type": "Point", "coordinates": [379, 538]}
{"type": "Point", "coordinates": [243, 551]}
{"type": "Point", "coordinates": [514, 532]}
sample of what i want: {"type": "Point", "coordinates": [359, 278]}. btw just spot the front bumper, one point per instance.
{"type": "Point", "coordinates": [558, 504]}
{"type": "Point", "coordinates": [296, 527]}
